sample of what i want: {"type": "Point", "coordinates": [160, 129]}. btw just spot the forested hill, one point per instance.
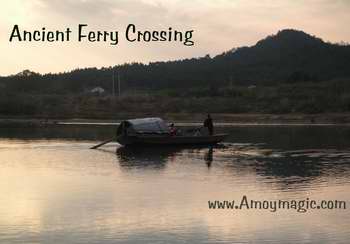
{"type": "Point", "coordinates": [290, 56]}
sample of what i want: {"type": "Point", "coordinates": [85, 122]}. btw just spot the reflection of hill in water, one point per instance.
{"type": "Point", "coordinates": [288, 168]}
{"type": "Point", "coordinates": [75, 132]}
{"type": "Point", "coordinates": [307, 167]}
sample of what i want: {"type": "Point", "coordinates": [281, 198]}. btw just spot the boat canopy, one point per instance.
{"type": "Point", "coordinates": [146, 125]}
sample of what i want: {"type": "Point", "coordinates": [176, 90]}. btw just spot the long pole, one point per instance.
{"type": "Point", "coordinates": [101, 144]}
{"type": "Point", "coordinates": [113, 83]}
{"type": "Point", "coordinates": [118, 84]}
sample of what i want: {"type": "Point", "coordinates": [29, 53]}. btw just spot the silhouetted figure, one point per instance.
{"type": "Point", "coordinates": [173, 130]}
{"type": "Point", "coordinates": [209, 124]}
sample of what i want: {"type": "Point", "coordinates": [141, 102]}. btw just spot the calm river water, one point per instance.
{"type": "Point", "coordinates": [54, 189]}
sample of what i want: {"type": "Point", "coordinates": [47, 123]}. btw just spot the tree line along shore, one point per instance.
{"type": "Point", "coordinates": [285, 74]}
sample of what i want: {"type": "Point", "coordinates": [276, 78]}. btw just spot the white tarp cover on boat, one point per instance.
{"type": "Point", "coordinates": [149, 125]}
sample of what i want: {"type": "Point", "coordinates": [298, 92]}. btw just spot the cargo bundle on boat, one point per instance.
{"type": "Point", "coordinates": [154, 131]}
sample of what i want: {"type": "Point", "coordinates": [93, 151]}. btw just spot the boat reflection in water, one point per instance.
{"type": "Point", "coordinates": [208, 157]}
{"type": "Point", "coordinates": [158, 157]}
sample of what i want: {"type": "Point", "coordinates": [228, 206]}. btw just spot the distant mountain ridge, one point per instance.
{"type": "Point", "coordinates": [281, 56]}
{"type": "Point", "coordinates": [289, 56]}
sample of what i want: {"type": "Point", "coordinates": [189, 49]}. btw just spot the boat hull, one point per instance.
{"type": "Point", "coordinates": [159, 140]}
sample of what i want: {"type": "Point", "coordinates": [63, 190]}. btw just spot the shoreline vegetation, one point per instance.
{"type": "Point", "coordinates": [185, 119]}
{"type": "Point", "coordinates": [287, 78]}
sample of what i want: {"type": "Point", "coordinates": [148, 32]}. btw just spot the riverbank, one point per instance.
{"type": "Point", "coordinates": [190, 119]}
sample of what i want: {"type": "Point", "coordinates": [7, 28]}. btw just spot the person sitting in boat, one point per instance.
{"type": "Point", "coordinates": [172, 129]}
{"type": "Point", "coordinates": [197, 132]}
{"type": "Point", "coordinates": [209, 124]}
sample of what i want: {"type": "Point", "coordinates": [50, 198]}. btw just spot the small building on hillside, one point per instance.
{"type": "Point", "coordinates": [97, 90]}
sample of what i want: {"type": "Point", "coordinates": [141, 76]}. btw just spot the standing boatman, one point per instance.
{"type": "Point", "coordinates": [209, 124]}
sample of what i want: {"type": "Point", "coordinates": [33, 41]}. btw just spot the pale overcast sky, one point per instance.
{"type": "Point", "coordinates": [219, 25]}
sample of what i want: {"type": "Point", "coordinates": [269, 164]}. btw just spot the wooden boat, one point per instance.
{"type": "Point", "coordinates": [154, 131]}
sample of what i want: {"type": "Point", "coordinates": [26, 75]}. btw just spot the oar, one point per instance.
{"type": "Point", "coordinates": [101, 144]}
